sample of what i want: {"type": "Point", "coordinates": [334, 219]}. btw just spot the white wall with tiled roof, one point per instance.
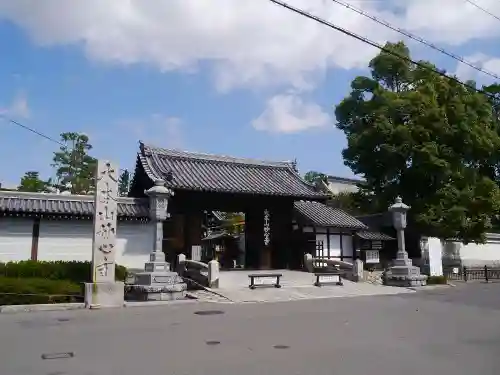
{"type": "Point", "coordinates": [71, 240]}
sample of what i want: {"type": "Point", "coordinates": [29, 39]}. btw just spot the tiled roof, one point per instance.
{"type": "Point", "coordinates": [321, 215]}
{"type": "Point", "coordinates": [20, 202]}
{"type": "Point", "coordinates": [215, 173]}
{"type": "Point", "coordinates": [374, 236]}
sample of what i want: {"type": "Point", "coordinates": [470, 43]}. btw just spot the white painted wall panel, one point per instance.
{"type": "Point", "coordinates": [347, 246]}
{"type": "Point", "coordinates": [337, 187]}
{"type": "Point", "coordinates": [134, 243]}
{"type": "Point", "coordinates": [15, 239]}
{"type": "Point", "coordinates": [481, 254]}
{"type": "Point", "coordinates": [334, 246]}
{"type": "Point", "coordinates": [67, 240]}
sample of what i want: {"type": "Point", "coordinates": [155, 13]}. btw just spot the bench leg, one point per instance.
{"type": "Point", "coordinates": [340, 282]}
{"type": "Point", "coordinates": [252, 284]}
{"type": "Point", "coordinates": [277, 285]}
{"type": "Point", "coordinates": [317, 283]}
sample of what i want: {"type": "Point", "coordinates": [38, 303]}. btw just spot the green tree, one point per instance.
{"type": "Point", "coordinates": [313, 176]}
{"type": "Point", "coordinates": [75, 169]}
{"type": "Point", "coordinates": [124, 183]}
{"type": "Point", "coordinates": [234, 222]}
{"type": "Point", "coordinates": [353, 203]}
{"type": "Point", "coordinates": [31, 182]}
{"type": "Point", "coordinates": [414, 133]}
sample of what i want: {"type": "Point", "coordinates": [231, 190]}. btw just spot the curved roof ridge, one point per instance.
{"type": "Point", "coordinates": [201, 156]}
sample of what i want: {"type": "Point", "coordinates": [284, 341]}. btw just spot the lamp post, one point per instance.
{"type": "Point", "coordinates": [158, 206]}
{"type": "Point", "coordinates": [402, 273]}
{"type": "Point", "coordinates": [399, 210]}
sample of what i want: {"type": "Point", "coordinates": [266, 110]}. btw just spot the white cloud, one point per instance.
{"type": "Point", "coordinates": [19, 107]}
{"type": "Point", "coordinates": [289, 113]}
{"type": "Point", "coordinates": [481, 60]}
{"type": "Point", "coordinates": [250, 42]}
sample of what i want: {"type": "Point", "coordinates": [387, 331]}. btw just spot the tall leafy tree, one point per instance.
{"type": "Point", "coordinates": [414, 133]}
{"type": "Point", "coordinates": [313, 176]}
{"type": "Point", "coordinates": [75, 168]}
{"type": "Point", "coordinates": [124, 183]}
{"type": "Point", "coordinates": [32, 182]}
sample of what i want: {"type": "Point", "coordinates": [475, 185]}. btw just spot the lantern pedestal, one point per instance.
{"type": "Point", "coordinates": [403, 273]}
{"type": "Point", "coordinates": [157, 282]}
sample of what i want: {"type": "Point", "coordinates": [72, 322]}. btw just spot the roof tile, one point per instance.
{"type": "Point", "coordinates": [204, 172]}
{"type": "Point", "coordinates": [324, 216]}
{"type": "Point", "coordinates": [21, 202]}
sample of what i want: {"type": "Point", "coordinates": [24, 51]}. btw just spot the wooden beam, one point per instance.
{"type": "Point", "coordinates": [34, 238]}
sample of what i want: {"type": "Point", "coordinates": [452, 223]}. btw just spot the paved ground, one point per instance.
{"type": "Point", "coordinates": [297, 285]}
{"type": "Point", "coordinates": [445, 331]}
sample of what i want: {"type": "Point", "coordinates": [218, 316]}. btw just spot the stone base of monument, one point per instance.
{"type": "Point", "coordinates": [404, 274]}
{"type": "Point", "coordinates": [157, 293]}
{"type": "Point", "coordinates": [104, 294]}
{"type": "Point", "coordinates": [157, 282]}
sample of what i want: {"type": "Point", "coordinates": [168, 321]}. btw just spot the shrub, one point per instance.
{"type": "Point", "coordinates": [435, 280]}
{"type": "Point", "coordinates": [17, 291]}
{"type": "Point", "coordinates": [76, 272]}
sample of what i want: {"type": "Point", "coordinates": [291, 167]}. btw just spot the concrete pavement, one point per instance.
{"type": "Point", "coordinates": [437, 332]}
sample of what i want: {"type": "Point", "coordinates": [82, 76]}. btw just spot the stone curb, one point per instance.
{"type": "Point", "coordinates": [13, 309]}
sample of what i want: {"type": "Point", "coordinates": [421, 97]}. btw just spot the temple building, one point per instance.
{"type": "Point", "coordinates": [284, 216]}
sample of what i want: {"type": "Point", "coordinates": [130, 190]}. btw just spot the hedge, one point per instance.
{"type": "Point", "coordinates": [17, 291]}
{"type": "Point", "coordinates": [76, 272]}
{"type": "Point", "coordinates": [437, 280]}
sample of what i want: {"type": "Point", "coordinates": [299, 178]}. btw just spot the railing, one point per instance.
{"type": "Point", "coordinates": [486, 273]}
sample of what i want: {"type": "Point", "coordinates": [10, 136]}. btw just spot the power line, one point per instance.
{"type": "Point", "coordinates": [40, 134]}
{"type": "Point", "coordinates": [376, 45]}
{"type": "Point", "coordinates": [32, 130]}
{"type": "Point", "coordinates": [416, 38]}
{"type": "Point", "coordinates": [483, 9]}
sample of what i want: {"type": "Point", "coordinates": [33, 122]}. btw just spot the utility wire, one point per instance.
{"type": "Point", "coordinates": [416, 38]}
{"type": "Point", "coordinates": [376, 45]}
{"type": "Point", "coordinates": [40, 134]}
{"type": "Point", "coordinates": [483, 9]}
{"type": "Point", "coordinates": [32, 130]}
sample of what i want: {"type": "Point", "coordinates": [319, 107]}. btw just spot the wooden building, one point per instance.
{"type": "Point", "coordinates": [284, 215]}
{"type": "Point", "coordinates": [264, 191]}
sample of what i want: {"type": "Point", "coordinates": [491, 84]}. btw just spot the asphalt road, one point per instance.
{"type": "Point", "coordinates": [453, 331]}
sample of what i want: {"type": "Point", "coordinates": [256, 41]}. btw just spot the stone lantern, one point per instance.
{"type": "Point", "coordinates": [399, 210]}
{"type": "Point", "coordinates": [159, 196]}
{"type": "Point", "coordinates": [157, 282]}
{"type": "Point", "coordinates": [403, 272]}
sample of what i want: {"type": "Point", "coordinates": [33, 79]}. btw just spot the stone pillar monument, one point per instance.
{"type": "Point", "coordinates": [157, 282]}
{"type": "Point", "coordinates": [403, 272]}
{"type": "Point", "coordinates": [104, 291]}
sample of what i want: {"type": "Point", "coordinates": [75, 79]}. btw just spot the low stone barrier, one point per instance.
{"type": "Point", "coordinates": [353, 271]}
{"type": "Point", "coordinates": [204, 274]}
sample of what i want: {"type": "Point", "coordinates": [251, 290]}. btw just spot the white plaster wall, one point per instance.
{"type": "Point", "coordinates": [67, 240]}
{"type": "Point", "coordinates": [335, 247]}
{"type": "Point", "coordinates": [134, 242]}
{"type": "Point", "coordinates": [481, 254]}
{"type": "Point", "coordinates": [339, 187]}
{"type": "Point", "coordinates": [347, 246]}
{"type": "Point", "coordinates": [71, 240]}
{"type": "Point", "coordinates": [15, 239]}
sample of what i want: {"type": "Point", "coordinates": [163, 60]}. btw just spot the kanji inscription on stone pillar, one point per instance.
{"type": "Point", "coordinates": [105, 215]}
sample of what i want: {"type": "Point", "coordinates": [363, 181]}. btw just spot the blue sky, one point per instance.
{"type": "Point", "coordinates": [249, 100]}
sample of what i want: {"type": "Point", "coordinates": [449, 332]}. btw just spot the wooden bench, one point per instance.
{"type": "Point", "coordinates": [328, 278]}
{"type": "Point", "coordinates": [262, 276]}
